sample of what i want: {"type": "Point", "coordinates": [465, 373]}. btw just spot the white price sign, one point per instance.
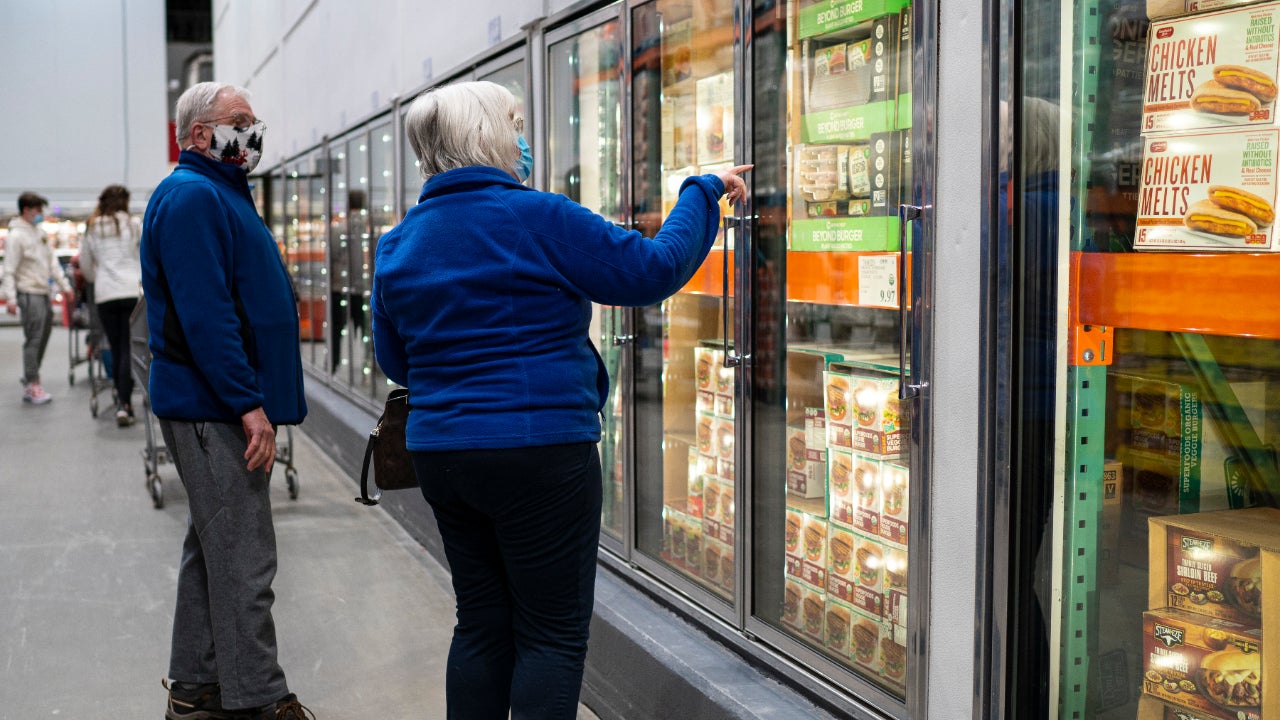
{"type": "Point", "coordinates": [878, 284]}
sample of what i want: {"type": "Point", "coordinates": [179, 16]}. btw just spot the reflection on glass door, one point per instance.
{"type": "Point", "coordinates": [830, 461]}
{"type": "Point", "coordinates": [344, 162]}
{"type": "Point", "coordinates": [683, 108]}
{"type": "Point", "coordinates": [381, 211]}
{"type": "Point", "coordinates": [584, 75]}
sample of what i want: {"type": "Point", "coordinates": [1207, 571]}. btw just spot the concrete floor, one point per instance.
{"type": "Point", "coordinates": [88, 570]}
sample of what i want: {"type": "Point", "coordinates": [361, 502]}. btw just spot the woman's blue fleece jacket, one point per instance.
{"type": "Point", "coordinates": [221, 312]}
{"type": "Point", "coordinates": [482, 298]}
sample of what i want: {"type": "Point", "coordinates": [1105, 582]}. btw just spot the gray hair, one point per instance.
{"type": "Point", "coordinates": [463, 125]}
{"type": "Point", "coordinates": [198, 102]}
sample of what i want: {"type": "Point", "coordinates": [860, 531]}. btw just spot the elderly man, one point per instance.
{"type": "Point", "coordinates": [30, 267]}
{"type": "Point", "coordinates": [226, 371]}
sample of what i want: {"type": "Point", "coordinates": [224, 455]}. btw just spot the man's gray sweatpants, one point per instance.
{"type": "Point", "coordinates": [223, 631]}
{"type": "Point", "coordinates": [37, 324]}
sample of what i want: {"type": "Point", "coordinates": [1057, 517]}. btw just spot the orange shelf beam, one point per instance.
{"type": "Point", "coordinates": [1235, 294]}
{"type": "Point", "coordinates": [828, 278]}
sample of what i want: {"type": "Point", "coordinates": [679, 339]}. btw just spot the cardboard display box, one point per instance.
{"type": "Point", "coordinates": [1207, 665]}
{"type": "Point", "coordinates": [1209, 191]}
{"type": "Point", "coordinates": [1212, 70]}
{"type": "Point", "coordinates": [1218, 564]}
{"type": "Point", "coordinates": [862, 412]}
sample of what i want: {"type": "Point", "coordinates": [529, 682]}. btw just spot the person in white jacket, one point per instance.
{"type": "Point", "coordinates": [30, 269]}
{"type": "Point", "coordinates": [109, 260]}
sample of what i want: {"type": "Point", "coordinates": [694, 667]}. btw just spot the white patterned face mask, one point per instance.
{"type": "Point", "coordinates": [238, 146]}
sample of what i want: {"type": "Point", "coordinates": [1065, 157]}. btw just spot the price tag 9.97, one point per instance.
{"type": "Point", "coordinates": [878, 284]}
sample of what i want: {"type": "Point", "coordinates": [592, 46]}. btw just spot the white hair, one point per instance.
{"type": "Point", "coordinates": [463, 125]}
{"type": "Point", "coordinates": [197, 102]}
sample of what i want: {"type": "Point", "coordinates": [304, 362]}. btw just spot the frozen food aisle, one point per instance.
{"type": "Point", "coordinates": [89, 569]}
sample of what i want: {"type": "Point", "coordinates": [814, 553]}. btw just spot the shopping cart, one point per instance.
{"type": "Point", "coordinates": [155, 453]}
{"type": "Point", "coordinates": [80, 315]}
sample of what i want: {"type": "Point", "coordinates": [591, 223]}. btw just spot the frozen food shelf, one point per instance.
{"type": "Point", "coordinates": [863, 279]}
{"type": "Point", "coordinates": [1233, 294]}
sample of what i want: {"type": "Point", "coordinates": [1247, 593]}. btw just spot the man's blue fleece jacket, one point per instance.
{"type": "Point", "coordinates": [221, 313]}
{"type": "Point", "coordinates": [482, 298]}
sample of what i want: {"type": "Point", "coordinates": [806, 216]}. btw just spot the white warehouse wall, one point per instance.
{"type": "Point", "coordinates": [315, 67]}
{"type": "Point", "coordinates": [83, 83]}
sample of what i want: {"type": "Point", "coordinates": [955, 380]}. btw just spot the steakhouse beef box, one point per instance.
{"type": "Point", "coordinates": [1212, 70]}
{"type": "Point", "coordinates": [1209, 191]}
{"type": "Point", "coordinates": [1150, 708]}
{"type": "Point", "coordinates": [1219, 564]}
{"type": "Point", "coordinates": [1207, 665]}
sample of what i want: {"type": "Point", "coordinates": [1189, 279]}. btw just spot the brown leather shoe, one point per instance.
{"type": "Point", "coordinates": [286, 708]}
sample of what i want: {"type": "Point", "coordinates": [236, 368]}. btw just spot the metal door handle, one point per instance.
{"type": "Point", "coordinates": [731, 359]}
{"type": "Point", "coordinates": [907, 214]}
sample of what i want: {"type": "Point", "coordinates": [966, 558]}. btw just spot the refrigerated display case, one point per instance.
{"type": "Point", "coordinates": [1149, 404]}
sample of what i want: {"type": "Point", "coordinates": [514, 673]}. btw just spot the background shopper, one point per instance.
{"type": "Point", "coordinates": [30, 268]}
{"type": "Point", "coordinates": [225, 371]}
{"type": "Point", "coordinates": [481, 303]}
{"type": "Point", "coordinates": [109, 260]}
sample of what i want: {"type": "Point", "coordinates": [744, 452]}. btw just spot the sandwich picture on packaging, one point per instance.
{"type": "Point", "coordinates": [1212, 70]}
{"type": "Point", "coordinates": [1209, 191]}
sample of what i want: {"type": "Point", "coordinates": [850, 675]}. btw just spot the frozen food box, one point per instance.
{"type": "Point", "coordinates": [1212, 70]}
{"type": "Point", "coordinates": [707, 366]}
{"type": "Point", "coordinates": [892, 657]}
{"type": "Point", "coordinates": [1198, 6]}
{"type": "Point", "coordinates": [1175, 458]}
{"type": "Point", "coordinates": [792, 596]}
{"type": "Point", "coordinates": [717, 510]}
{"type": "Point", "coordinates": [813, 609]}
{"type": "Point", "coordinates": [714, 117]}
{"type": "Point", "coordinates": [840, 463]}
{"type": "Point", "coordinates": [693, 506]}
{"type": "Point", "coordinates": [820, 17]}
{"type": "Point", "coordinates": [1209, 191]}
{"type": "Point", "coordinates": [849, 79]}
{"type": "Point", "coordinates": [806, 468]}
{"type": "Point", "coordinates": [717, 563]}
{"type": "Point", "coordinates": [838, 622]}
{"type": "Point", "coordinates": [895, 489]}
{"type": "Point", "coordinates": [867, 493]}
{"type": "Point", "coordinates": [1109, 525]}
{"type": "Point", "coordinates": [1165, 8]}
{"type": "Point", "coordinates": [890, 171]}
{"type": "Point", "coordinates": [1149, 708]}
{"type": "Point", "coordinates": [1207, 665]}
{"type": "Point", "coordinates": [895, 583]}
{"type": "Point", "coordinates": [868, 568]}
{"type": "Point", "coordinates": [808, 561]}
{"type": "Point", "coordinates": [1217, 564]}
{"type": "Point", "coordinates": [840, 571]}
{"type": "Point", "coordinates": [862, 412]}
{"type": "Point", "coordinates": [864, 642]}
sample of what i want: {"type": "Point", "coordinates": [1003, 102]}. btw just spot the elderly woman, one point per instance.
{"type": "Point", "coordinates": [481, 302]}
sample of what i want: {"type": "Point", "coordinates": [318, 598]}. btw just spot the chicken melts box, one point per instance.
{"type": "Point", "coordinates": [1209, 191]}
{"type": "Point", "coordinates": [1212, 70]}
{"type": "Point", "coordinates": [1223, 564]}
{"type": "Point", "coordinates": [1208, 665]}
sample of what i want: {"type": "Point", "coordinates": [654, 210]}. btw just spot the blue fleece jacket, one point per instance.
{"type": "Point", "coordinates": [482, 298]}
{"type": "Point", "coordinates": [221, 312]}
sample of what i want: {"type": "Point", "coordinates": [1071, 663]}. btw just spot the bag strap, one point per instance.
{"type": "Point", "coordinates": [364, 498]}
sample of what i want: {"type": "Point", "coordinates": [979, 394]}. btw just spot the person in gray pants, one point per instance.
{"type": "Point", "coordinates": [30, 270]}
{"type": "Point", "coordinates": [226, 370]}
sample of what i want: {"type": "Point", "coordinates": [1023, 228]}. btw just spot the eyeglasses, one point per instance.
{"type": "Point", "coordinates": [239, 121]}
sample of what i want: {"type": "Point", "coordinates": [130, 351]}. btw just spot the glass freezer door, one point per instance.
{"type": "Point", "coordinates": [683, 109]}
{"type": "Point", "coordinates": [830, 446]}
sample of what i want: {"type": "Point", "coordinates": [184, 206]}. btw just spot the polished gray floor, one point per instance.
{"type": "Point", "coordinates": [88, 568]}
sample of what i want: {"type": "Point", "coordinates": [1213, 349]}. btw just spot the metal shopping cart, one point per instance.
{"type": "Point", "coordinates": [84, 332]}
{"type": "Point", "coordinates": [155, 453]}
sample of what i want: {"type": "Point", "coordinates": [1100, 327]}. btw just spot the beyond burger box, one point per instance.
{"type": "Point", "coordinates": [1217, 564]}
{"type": "Point", "coordinates": [792, 594]}
{"type": "Point", "coordinates": [838, 621]}
{"type": "Point", "coordinates": [868, 570]}
{"type": "Point", "coordinates": [862, 411]}
{"type": "Point", "coordinates": [806, 466]}
{"type": "Point", "coordinates": [1212, 70]}
{"type": "Point", "coordinates": [813, 608]}
{"type": "Point", "coordinates": [866, 494]}
{"type": "Point", "coordinates": [1208, 665]}
{"type": "Point", "coordinates": [841, 463]}
{"type": "Point", "coordinates": [864, 642]}
{"type": "Point", "coordinates": [894, 494]}
{"type": "Point", "coordinates": [841, 579]}
{"type": "Point", "coordinates": [1209, 191]}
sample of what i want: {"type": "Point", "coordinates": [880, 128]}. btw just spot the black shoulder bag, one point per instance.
{"type": "Point", "coordinates": [392, 464]}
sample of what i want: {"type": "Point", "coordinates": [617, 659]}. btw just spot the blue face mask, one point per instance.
{"type": "Point", "coordinates": [39, 218]}
{"type": "Point", "coordinates": [524, 166]}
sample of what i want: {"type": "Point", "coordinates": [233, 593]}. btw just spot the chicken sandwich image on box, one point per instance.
{"type": "Point", "coordinates": [1212, 70]}
{"type": "Point", "coordinates": [1209, 191]}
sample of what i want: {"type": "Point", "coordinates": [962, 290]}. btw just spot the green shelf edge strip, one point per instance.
{"type": "Point", "coordinates": [1086, 406]}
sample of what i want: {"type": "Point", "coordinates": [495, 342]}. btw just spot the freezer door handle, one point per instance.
{"type": "Point", "coordinates": [731, 359]}
{"type": "Point", "coordinates": [908, 327]}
